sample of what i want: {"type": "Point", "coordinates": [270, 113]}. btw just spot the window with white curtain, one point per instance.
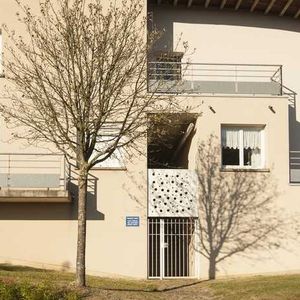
{"type": "Point", "coordinates": [243, 146]}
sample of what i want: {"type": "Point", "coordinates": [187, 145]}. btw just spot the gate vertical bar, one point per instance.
{"type": "Point", "coordinates": [179, 247]}
{"type": "Point", "coordinates": [188, 248]}
{"type": "Point", "coordinates": [157, 247]}
{"type": "Point", "coordinates": [152, 247]}
{"type": "Point", "coordinates": [162, 247]}
{"type": "Point", "coordinates": [172, 250]}
{"type": "Point", "coordinates": [197, 250]}
{"type": "Point", "coordinates": [175, 247]}
{"type": "Point", "coordinates": [183, 248]}
{"type": "Point", "coordinates": [148, 250]}
{"type": "Point", "coordinates": [167, 249]}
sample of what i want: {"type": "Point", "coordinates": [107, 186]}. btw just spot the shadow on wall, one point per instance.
{"type": "Point", "coordinates": [237, 210]}
{"type": "Point", "coordinates": [213, 17]}
{"type": "Point", "coordinates": [54, 211]}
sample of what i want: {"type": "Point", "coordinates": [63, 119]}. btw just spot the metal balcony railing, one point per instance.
{"type": "Point", "coordinates": [33, 170]}
{"type": "Point", "coordinates": [244, 79]}
{"type": "Point", "coordinates": [294, 167]}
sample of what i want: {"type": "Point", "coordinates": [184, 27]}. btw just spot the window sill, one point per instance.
{"type": "Point", "coordinates": [109, 169]}
{"type": "Point", "coordinates": [262, 170]}
{"type": "Point", "coordinates": [106, 169]}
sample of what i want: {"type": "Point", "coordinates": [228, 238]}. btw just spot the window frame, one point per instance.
{"type": "Point", "coordinates": [117, 155]}
{"type": "Point", "coordinates": [1, 55]}
{"type": "Point", "coordinates": [241, 165]}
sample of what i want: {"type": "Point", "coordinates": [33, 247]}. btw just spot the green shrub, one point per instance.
{"type": "Point", "coordinates": [43, 291]}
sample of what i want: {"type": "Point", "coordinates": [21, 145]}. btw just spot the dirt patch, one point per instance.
{"type": "Point", "coordinates": [189, 292]}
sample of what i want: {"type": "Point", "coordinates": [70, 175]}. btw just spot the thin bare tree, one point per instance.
{"type": "Point", "coordinates": [236, 209]}
{"type": "Point", "coordinates": [78, 80]}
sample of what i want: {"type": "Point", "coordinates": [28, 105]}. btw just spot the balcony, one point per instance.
{"type": "Point", "coordinates": [172, 193]}
{"type": "Point", "coordinates": [28, 177]}
{"type": "Point", "coordinates": [294, 167]}
{"type": "Point", "coordinates": [214, 79]}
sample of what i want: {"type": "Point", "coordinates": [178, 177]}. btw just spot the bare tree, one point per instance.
{"type": "Point", "coordinates": [236, 209]}
{"type": "Point", "coordinates": [80, 82]}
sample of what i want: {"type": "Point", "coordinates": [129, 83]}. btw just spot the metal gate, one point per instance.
{"type": "Point", "coordinates": [171, 251]}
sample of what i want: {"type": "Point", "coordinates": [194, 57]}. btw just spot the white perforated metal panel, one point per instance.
{"type": "Point", "coordinates": [172, 193]}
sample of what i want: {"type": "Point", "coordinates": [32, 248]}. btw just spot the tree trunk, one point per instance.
{"type": "Point", "coordinates": [212, 268]}
{"type": "Point", "coordinates": [81, 238]}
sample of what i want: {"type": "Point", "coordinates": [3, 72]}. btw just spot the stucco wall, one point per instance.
{"type": "Point", "coordinates": [45, 234]}
{"type": "Point", "coordinates": [235, 37]}
{"type": "Point", "coordinates": [250, 111]}
{"type": "Point", "coordinates": [244, 38]}
{"type": "Point", "coordinates": [232, 37]}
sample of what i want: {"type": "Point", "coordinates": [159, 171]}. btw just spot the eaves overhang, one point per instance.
{"type": "Point", "coordinates": [280, 8]}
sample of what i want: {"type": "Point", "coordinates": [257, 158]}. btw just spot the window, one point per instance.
{"type": "Point", "coordinates": [115, 161]}
{"type": "Point", "coordinates": [167, 66]}
{"type": "Point", "coordinates": [1, 54]}
{"type": "Point", "coordinates": [243, 147]}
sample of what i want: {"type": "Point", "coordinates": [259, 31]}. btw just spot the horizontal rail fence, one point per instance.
{"type": "Point", "coordinates": [290, 94]}
{"type": "Point", "coordinates": [176, 77]}
{"type": "Point", "coordinates": [33, 170]}
{"type": "Point", "coordinates": [295, 167]}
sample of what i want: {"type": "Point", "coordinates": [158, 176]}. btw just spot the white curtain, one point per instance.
{"type": "Point", "coordinates": [230, 138]}
{"type": "Point", "coordinates": [256, 158]}
{"type": "Point", "coordinates": [252, 139]}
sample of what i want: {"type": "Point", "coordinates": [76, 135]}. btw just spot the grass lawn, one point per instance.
{"type": "Point", "coordinates": [54, 285]}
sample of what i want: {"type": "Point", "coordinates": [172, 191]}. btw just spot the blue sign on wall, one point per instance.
{"type": "Point", "coordinates": [132, 221]}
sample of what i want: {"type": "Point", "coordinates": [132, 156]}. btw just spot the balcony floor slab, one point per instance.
{"type": "Point", "coordinates": [34, 196]}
